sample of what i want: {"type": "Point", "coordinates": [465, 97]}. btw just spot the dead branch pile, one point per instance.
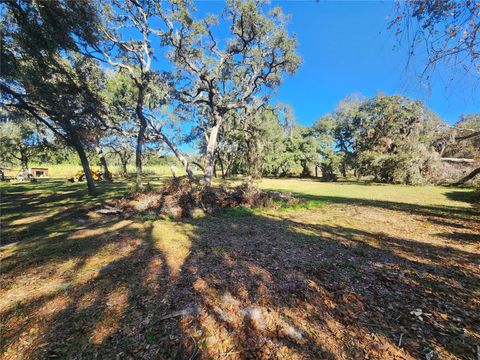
{"type": "Point", "coordinates": [180, 198]}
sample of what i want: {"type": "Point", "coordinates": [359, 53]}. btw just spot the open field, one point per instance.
{"type": "Point", "coordinates": [360, 271]}
{"type": "Point", "coordinates": [64, 171]}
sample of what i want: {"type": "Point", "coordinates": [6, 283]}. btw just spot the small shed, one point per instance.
{"type": "Point", "coordinates": [38, 172]}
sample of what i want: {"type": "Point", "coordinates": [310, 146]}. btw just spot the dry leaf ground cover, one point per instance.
{"type": "Point", "coordinates": [360, 271]}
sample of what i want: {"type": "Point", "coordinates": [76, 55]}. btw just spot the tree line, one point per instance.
{"type": "Point", "coordinates": [129, 78]}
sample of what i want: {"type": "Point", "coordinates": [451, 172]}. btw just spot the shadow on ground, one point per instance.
{"type": "Point", "coordinates": [260, 286]}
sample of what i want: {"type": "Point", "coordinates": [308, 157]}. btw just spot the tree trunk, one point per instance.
{"type": "Point", "coordinates": [305, 169]}
{"type": "Point", "coordinates": [183, 159]}
{"type": "Point", "coordinates": [86, 167]}
{"type": "Point", "coordinates": [124, 167]}
{"type": "Point", "coordinates": [221, 166]}
{"type": "Point", "coordinates": [210, 153]}
{"type": "Point", "coordinates": [76, 143]}
{"type": "Point", "coordinates": [470, 176]}
{"type": "Point", "coordinates": [106, 176]}
{"type": "Point", "coordinates": [228, 170]}
{"type": "Point", "coordinates": [172, 170]}
{"type": "Point", "coordinates": [140, 137]}
{"type": "Point", "coordinates": [24, 162]}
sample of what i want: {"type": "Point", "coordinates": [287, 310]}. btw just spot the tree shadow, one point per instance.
{"type": "Point", "coordinates": [31, 209]}
{"type": "Point", "coordinates": [258, 286]}
{"type": "Point", "coordinates": [466, 215]}
{"type": "Point", "coordinates": [472, 197]}
{"type": "Point", "coordinates": [462, 237]}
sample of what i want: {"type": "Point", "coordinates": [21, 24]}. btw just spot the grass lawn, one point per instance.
{"type": "Point", "coordinates": [360, 271]}
{"type": "Point", "coordinates": [68, 170]}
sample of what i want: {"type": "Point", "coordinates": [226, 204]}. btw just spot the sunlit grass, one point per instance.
{"type": "Point", "coordinates": [420, 195]}
{"type": "Point", "coordinates": [64, 171]}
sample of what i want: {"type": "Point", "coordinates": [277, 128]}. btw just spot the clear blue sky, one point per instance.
{"type": "Point", "coordinates": [347, 48]}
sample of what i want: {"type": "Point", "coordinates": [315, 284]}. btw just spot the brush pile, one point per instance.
{"type": "Point", "coordinates": [180, 198]}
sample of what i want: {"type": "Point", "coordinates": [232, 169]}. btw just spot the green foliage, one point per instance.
{"type": "Point", "coordinates": [40, 56]}
{"type": "Point", "coordinates": [226, 76]}
{"type": "Point", "coordinates": [461, 142]}
{"type": "Point", "coordinates": [264, 144]}
{"type": "Point", "coordinates": [395, 138]}
{"type": "Point", "coordinates": [325, 130]}
{"type": "Point", "coordinates": [390, 138]}
{"type": "Point", "coordinates": [20, 143]}
{"type": "Point", "coordinates": [250, 145]}
{"type": "Point", "coordinates": [44, 74]}
{"type": "Point", "coordinates": [301, 149]}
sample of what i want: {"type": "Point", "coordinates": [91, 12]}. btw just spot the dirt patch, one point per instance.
{"type": "Point", "coordinates": [180, 198]}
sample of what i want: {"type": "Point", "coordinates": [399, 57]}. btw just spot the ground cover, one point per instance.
{"type": "Point", "coordinates": [359, 271]}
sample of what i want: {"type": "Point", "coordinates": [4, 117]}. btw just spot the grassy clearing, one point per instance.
{"type": "Point", "coordinates": [342, 277]}
{"type": "Point", "coordinates": [415, 195]}
{"type": "Point", "coordinates": [64, 171]}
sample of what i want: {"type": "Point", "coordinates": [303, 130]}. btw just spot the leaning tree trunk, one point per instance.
{"type": "Point", "coordinates": [183, 159]}
{"type": "Point", "coordinates": [86, 167]}
{"type": "Point", "coordinates": [172, 170]}
{"type": "Point", "coordinates": [210, 153]}
{"type": "Point", "coordinates": [103, 163]}
{"type": "Point", "coordinates": [470, 176]}
{"type": "Point", "coordinates": [138, 155]}
{"type": "Point", "coordinates": [76, 143]}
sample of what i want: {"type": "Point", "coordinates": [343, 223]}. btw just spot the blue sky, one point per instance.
{"type": "Point", "coordinates": [347, 48]}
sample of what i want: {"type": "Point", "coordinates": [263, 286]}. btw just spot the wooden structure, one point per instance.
{"type": "Point", "coordinates": [38, 172]}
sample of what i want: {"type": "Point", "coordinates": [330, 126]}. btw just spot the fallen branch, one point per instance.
{"type": "Point", "coordinates": [458, 160]}
{"type": "Point", "coordinates": [468, 177]}
{"type": "Point", "coordinates": [109, 211]}
{"type": "Point", "coordinates": [195, 349]}
{"type": "Point", "coordinates": [183, 312]}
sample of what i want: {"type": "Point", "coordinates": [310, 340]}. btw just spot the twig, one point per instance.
{"type": "Point", "coordinates": [195, 349]}
{"type": "Point", "coordinates": [177, 314]}
{"type": "Point", "coordinates": [400, 340]}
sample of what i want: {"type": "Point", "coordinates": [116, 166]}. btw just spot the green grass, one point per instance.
{"type": "Point", "coordinates": [415, 195]}
{"type": "Point", "coordinates": [239, 211]}
{"type": "Point", "coordinates": [65, 171]}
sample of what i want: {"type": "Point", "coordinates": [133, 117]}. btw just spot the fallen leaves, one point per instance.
{"type": "Point", "coordinates": [343, 281]}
